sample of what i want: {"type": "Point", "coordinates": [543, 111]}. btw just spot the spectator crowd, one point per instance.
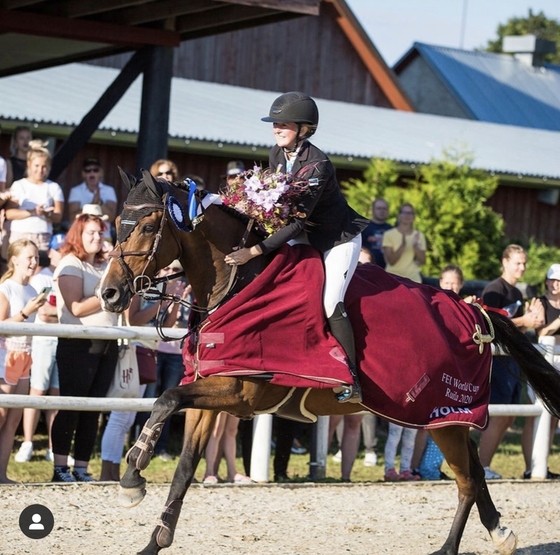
{"type": "Point", "coordinates": [53, 253]}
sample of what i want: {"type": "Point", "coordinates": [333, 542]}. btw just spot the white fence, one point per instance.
{"type": "Point", "coordinates": [262, 429]}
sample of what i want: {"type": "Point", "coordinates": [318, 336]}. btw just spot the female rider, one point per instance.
{"type": "Point", "coordinates": [325, 220]}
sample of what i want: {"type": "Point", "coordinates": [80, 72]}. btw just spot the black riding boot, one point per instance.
{"type": "Point", "coordinates": [341, 328]}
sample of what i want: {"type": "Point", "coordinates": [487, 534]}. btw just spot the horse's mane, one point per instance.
{"type": "Point", "coordinates": [242, 217]}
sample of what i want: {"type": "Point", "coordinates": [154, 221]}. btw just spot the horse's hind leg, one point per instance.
{"type": "Point", "coordinates": [461, 454]}
{"type": "Point", "coordinates": [198, 427]}
{"type": "Point", "coordinates": [454, 444]}
{"type": "Point", "coordinates": [503, 538]}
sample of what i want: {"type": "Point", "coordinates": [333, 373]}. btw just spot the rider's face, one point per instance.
{"type": "Point", "coordinates": [285, 134]}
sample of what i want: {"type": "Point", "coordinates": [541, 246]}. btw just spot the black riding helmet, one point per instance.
{"type": "Point", "coordinates": [293, 107]}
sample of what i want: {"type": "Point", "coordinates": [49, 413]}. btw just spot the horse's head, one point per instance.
{"type": "Point", "coordinates": [145, 243]}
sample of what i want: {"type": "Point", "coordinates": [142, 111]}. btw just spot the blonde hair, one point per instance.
{"type": "Point", "coordinates": [154, 168]}
{"type": "Point", "coordinates": [15, 249]}
{"type": "Point", "coordinates": [38, 149]}
{"type": "Point", "coordinates": [513, 249]}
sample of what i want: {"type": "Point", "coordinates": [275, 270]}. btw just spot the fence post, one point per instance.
{"type": "Point", "coordinates": [319, 449]}
{"type": "Point", "coordinates": [260, 452]}
{"type": "Point", "coordinates": [541, 430]}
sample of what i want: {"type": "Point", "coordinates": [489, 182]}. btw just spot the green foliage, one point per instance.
{"type": "Point", "coordinates": [540, 257]}
{"type": "Point", "coordinates": [379, 176]}
{"type": "Point", "coordinates": [535, 24]}
{"type": "Point", "coordinates": [449, 199]}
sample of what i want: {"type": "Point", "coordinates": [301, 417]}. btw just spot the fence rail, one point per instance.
{"type": "Point", "coordinates": [263, 427]}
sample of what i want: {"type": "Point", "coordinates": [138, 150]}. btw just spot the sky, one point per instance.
{"type": "Point", "coordinates": [394, 25]}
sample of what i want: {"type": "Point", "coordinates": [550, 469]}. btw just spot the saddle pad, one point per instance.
{"type": "Point", "coordinates": [419, 365]}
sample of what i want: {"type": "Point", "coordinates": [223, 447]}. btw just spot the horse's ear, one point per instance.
{"type": "Point", "coordinates": [128, 179]}
{"type": "Point", "coordinates": [150, 182]}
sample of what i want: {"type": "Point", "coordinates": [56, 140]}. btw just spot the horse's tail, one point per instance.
{"type": "Point", "coordinates": [542, 376]}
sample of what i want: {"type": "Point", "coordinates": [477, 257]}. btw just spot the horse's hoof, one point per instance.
{"type": "Point", "coordinates": [504, 540]}
{"type": "Point", "coordinates": [130, 497]}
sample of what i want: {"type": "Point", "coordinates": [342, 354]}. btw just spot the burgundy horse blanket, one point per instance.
{"type": "Point", "coordinates": [418, 348]}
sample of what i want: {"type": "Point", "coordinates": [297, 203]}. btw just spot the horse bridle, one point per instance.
{"type": "Point", "coordinates": [141, 283]}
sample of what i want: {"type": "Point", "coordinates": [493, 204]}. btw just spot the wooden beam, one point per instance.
{"type": "Point", "coordinates": [307, 7]}
{"type": "Point", "coordinates": [91, 31]}
{"type": "Point", "coordinates": [382, 73]}
{"type": "Point", "coordinates": [15, 4]}
{"type": "Point", "coordinates": [93, 119]}
{"type": "Point", "coordinates": [165, 9]}
{"type": "Point", "coordinates": [73, 9]}
{"type": "Point", "coordinates": [220, 18]}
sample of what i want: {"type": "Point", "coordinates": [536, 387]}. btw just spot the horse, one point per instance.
{"type": "Point", "coordinates": [154, 229]}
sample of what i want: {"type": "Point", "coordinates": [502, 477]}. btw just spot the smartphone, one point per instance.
{"type": "Point", "coordinates": [45, 291]}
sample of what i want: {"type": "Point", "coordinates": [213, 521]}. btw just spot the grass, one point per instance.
{"type": "Point", "coordinates": [508, 461]}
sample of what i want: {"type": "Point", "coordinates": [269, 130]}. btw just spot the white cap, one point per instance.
{"type": "Point", "coordinates": [553, 272]}
{"type": "Point", "coordinates": [93, 210]}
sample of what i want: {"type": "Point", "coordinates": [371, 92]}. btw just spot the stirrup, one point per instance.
{"type": "Point", "coordinates": [350, 394]}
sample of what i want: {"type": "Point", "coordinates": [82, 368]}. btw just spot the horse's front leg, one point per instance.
{"type": "Point", "coordinates": [198, 427]}
{"type": "Point", "coordinates": [132, 490]}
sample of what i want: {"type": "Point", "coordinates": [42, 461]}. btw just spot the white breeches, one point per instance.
{"type": "Point", "coordinates": [340, 263]}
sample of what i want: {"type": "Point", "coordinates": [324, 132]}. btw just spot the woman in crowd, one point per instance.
{"type": "Point", "coordinates": [36, 202]}
{"type": "Point", "coordinates": [19, 147]}
{"type": "Point", "coordinates": [223, 439]}
{"type": "Point", "coordinates": [141, 312]}
{"type": "Point", "coordinates": [18, 303]}
{"type": "Point", "coordinates": [165, 169]}
{"type": "Point", "coordinates": [85, 366]}
{"type": "Point", "coordinates": [551, 304]}
{"type": "Point", "coordinates": [404, 247]}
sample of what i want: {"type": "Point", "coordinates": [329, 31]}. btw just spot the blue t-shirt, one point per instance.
{"type": "Point", "coordinates": [372, 239]}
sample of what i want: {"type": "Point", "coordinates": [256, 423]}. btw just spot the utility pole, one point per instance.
{"type": "Point", "coordinates": [463, 24]}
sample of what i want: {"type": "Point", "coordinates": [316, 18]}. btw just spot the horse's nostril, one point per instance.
{"type": "Point", "coordinates": [109, 294]}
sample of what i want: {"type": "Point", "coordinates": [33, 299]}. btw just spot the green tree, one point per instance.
{"type": "Point", "coordinates": [535, 24]}
{"type": "Point", "coordinates": [449, 200]}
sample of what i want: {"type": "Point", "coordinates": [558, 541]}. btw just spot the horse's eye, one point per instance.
{"type": "Point", "coordinates": [148, 228]}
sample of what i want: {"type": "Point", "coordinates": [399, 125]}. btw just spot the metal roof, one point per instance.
{"type": "Point", "coordinates": [215, 113]}
{"type": "Point", "coordinates": [496, 87]}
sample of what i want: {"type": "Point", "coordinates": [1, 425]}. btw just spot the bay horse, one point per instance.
{"type": "Point", "coordinates": [153, 230]}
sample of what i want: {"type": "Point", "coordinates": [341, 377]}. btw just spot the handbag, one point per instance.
{"type": "Point", "coordinates": [126, 380]}
{"type": "Point", "coordinates": [147, 367]}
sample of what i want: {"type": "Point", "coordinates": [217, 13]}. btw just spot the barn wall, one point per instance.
{"type": "Point", "coordinates": [310, 54]}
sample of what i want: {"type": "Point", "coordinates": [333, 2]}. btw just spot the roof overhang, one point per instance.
{"type": "Point", "coordinates": [36, 34]}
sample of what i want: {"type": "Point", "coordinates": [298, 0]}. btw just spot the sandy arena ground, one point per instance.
{"type": "Point", "coordinates": [303, 519]}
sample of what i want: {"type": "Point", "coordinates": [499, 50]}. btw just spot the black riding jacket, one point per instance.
{"type": "Point", "coordinates": [326, 216]}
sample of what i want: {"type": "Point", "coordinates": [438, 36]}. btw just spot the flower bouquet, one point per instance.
{"type": "Point", "coordinates": [269, 197]}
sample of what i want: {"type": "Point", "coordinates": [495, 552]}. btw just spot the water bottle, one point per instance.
{"type": "Point", "coordinates": [511, 309]}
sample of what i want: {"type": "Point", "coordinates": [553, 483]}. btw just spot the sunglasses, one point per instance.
{"type": "Point", "coordinates": [407, 212]}
{"type": "Point", "coordinates": [172, 269]}
{"type": "Point", "coordinates": [169, 172]}
{"type": "Point", "coordinates": [91, 170]}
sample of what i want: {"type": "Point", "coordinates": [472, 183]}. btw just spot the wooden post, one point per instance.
{"type": "Point", "coordinates": [154, 113]}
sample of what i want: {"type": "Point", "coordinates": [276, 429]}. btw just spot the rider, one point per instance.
{"type": "Point", "coordinates": [334, 228]}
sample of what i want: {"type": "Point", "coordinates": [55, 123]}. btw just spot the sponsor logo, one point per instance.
{"type": "Point", "coordinates": [439, 412]}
